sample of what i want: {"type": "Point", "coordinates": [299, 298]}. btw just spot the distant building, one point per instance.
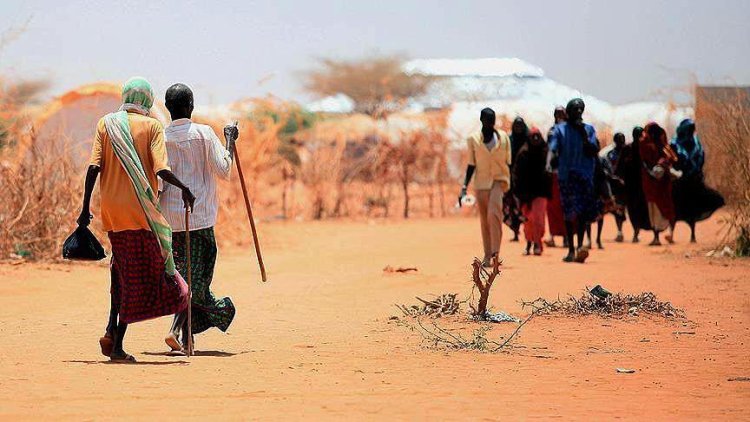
{"type": "Point", "coordinates": [512, 87]}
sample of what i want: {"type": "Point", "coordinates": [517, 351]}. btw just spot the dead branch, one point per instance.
{"type": "Point", "coordinates": [389, 269]}
{"type": "Point", "coordinates": [483, 281]}
{"type": "Point", "coordinates": [445, 304]}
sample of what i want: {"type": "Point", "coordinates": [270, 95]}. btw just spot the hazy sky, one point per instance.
{"type": "Point", "coordinates": [620, 51]}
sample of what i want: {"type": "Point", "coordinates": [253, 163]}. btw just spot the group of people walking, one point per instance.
{"type": "Point", "coordinates": [146, 227]}
{"type": "Point", "coordinates": [569, 180]}
{"type": "Point", "coordinates": [521, 179]}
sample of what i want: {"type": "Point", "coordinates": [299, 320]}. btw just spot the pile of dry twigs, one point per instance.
{"type": "Point", "coordinates": [613, 306]}
{"type": "Point", "coordinates": [445, 304]}
{"type": "Point", "coordinates": [438, 337]}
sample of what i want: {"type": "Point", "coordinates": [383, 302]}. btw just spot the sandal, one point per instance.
{"type": "Point", "coordinates": [581, 255]}
{"type": "Point", "coordinates": [106, 344]}
{"type": "Point", "coordinates": [172, 342]}
{"type": "Point", "coordinates": [126, 358]}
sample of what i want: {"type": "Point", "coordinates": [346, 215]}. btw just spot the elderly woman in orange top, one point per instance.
{"type": "Point", "coordinates": [130, 153]}
{"type": "Point", "coordinates": [490, 157]}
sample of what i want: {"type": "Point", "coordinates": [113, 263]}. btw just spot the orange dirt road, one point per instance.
{"type": "Point", "coordinates": [316, 340]}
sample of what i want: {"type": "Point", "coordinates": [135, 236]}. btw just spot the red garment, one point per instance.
{"type": "Point", "coordinates": [533, 227]}
{"type": "Point", "coordinates": [554, 210]}
{"type": "Point", "coordinates": [140, 285]}
{"type": "Point", "coordinates": [655, 150]}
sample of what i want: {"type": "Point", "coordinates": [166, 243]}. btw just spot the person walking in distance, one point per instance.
{"type": "Point", "coordinates": [489, 158]}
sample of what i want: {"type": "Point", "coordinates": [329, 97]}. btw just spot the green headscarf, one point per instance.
{"type": "Point", "coordinates": [137, 95]}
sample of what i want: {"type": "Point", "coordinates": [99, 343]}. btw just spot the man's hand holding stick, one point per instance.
{"type": "Point", "coordinates": [231, 133]}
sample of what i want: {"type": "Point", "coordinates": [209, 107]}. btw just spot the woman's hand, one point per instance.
{"type": "Point", "coordinates": [84, 219]}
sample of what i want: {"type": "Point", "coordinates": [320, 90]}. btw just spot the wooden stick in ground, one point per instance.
{"type": "Point", "coordinates": [189, 321]}
{"type": "Point", "coordinates": [250, 217]}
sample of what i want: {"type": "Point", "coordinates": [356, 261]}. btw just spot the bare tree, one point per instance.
{"type": "Point", "coordinates": [377, 85]}
{"type": "Point", "coordinates": [416, 158]}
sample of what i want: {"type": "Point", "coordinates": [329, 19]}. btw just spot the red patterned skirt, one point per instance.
{"type": "Point", "coordinates": [139, 283]}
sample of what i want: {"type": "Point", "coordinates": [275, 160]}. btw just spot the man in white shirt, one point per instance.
{"type": "Point", "coordinates": [198, 157]}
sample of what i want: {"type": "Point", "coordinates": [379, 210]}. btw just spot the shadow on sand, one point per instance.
{"type": "Point", "coordinates": [210, 353]}
{"type": "Point", "coordinates": [107, 362]}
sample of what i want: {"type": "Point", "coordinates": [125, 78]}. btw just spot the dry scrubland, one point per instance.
{"type": "Point", "coordinates": [298, 166]}
{"type": "Point", "coordinates": [303, 166]}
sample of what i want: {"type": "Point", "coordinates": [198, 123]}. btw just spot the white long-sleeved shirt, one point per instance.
{"type": "Point", "coordinates": [196, 157]}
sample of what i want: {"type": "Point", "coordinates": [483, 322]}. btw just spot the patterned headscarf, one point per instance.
{"type": "Point", "coordinates": [137, 96]}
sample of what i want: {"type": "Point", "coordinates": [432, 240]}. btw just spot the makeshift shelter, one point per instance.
{"type": "Point", "coordinates": [67, 124]}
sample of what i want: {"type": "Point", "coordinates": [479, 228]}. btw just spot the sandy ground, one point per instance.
{"type": "Point", "coordinates": [316, 340]}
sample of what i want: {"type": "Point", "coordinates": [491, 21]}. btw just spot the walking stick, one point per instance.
{"type": "Point", "coordinates": [190, 285]}
{"type": "Point", "coordinates": [250, 214]}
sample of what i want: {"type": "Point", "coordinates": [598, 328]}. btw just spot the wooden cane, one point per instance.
{"type": "Point", "coordinates": [250, 216]}
{"type": "Point", "coordinates": [190, 285]}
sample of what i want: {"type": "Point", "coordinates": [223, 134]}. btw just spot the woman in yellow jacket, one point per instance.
{"type": "Point", "coordinates": [489, 158]}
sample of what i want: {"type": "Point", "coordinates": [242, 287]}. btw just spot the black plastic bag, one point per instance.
{"type": "Point", "coordinates": [82, 245]}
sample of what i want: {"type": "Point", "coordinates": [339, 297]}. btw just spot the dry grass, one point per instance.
{"type": "Point", "coordinates": [724, 124]}
{"type": "Point", "coordinates": [41, 188]}
{"type": "Point", "coordinates": [257, 148]}
{"type": "Point", "coordinates": [40, 204]}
